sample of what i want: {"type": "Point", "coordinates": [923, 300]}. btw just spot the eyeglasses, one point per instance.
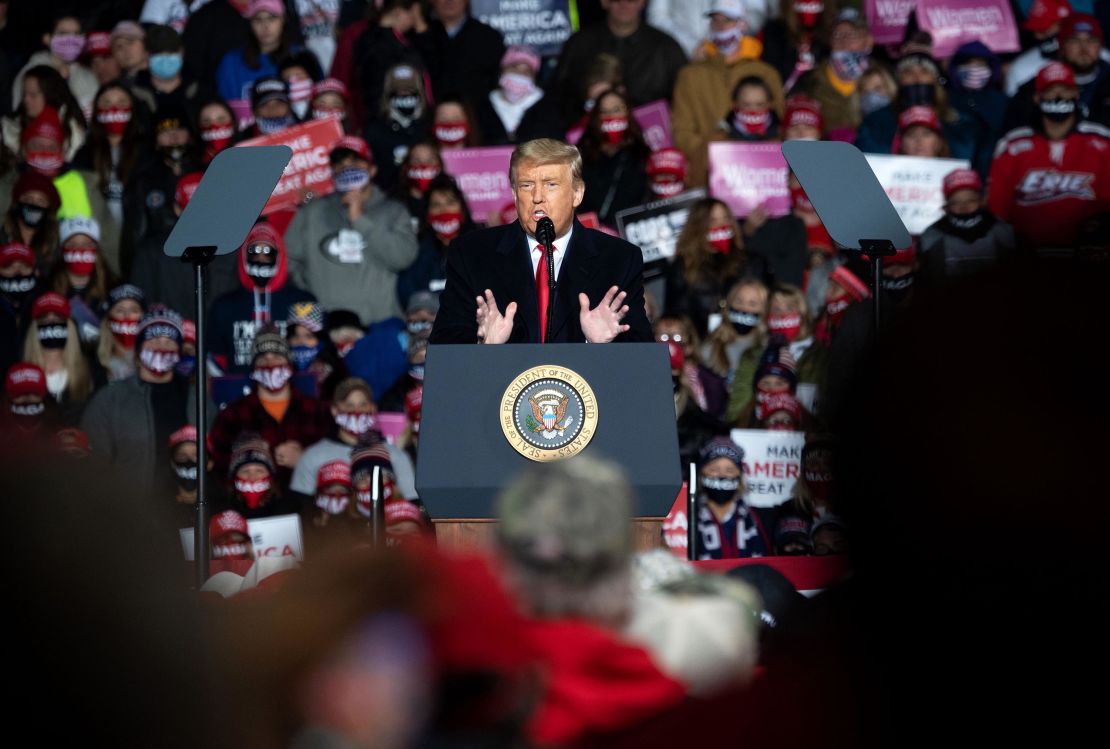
{"type": "Point", "coordinates": [664, 337]}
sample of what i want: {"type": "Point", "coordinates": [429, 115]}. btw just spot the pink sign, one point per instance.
{"type": "Point", "coordinates": [244, 115]}
{"type": "Point", "coordinates": [308, 170]}
{"type": "Point", "coordinates": [888, 18]}
{"type": "Point", "coordinates": [955, 22]}
{"type": "Point", "coordinates": [654, 119]}
{"type": "Point", "coordinates": [483, 176]}
{"type": "Point", "coordinates": [743, 175]}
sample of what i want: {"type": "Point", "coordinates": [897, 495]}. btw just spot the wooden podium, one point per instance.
{"type": "Point", "coordinates": [478, 533]}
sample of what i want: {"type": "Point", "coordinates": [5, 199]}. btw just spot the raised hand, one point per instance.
{"type": "Point", "coordinates": [493, 327]}
{"type": "Point", "coordinates": [603, 323]}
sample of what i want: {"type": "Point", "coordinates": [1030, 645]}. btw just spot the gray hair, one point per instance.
{"type": "Point", "coordinates": [543, 151]}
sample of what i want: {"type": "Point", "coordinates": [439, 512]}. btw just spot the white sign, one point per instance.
{"type": "Point", "coordinates": [915, 185]}
{"type": "Point", "coordinates": [772, 460]}
{"type": "Point", "coordinates": [279, 536]}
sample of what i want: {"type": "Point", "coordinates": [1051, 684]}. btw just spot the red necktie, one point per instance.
{"type": "Point", "coordinates": [542, 291]}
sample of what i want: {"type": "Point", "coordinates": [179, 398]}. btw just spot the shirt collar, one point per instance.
{"type": "Point", "coordinates": [561, 243]}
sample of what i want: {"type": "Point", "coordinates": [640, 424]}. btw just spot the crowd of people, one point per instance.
{"type": "Point", "coordinates": [321, 321]}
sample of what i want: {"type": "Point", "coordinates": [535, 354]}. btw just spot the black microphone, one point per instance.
{"type": "Point", "coordinates": [545, 235]}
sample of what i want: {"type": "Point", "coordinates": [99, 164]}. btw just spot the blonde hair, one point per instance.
{"type": "Point", "coordinates": [79, 385]}
{"type": "Point", "coordinates": [106, 346]}
{"type": "Point", "coordinates": [544, 151]}
{"type": "Point", "coordinates": [794, 296]}
{"type": "Point", "coordinates": [725, 334]}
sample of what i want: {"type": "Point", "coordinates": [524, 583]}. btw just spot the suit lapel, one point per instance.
{"type": "Point", "coordinates": [514, 267]}
{"type": "Point", "coordinates": [579, 267]}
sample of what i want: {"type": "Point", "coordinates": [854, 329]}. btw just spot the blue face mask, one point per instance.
{"type": "Point", "coordinates": [848, 65]}
{"type": "Point", "coordinates": [303, 356]}
{"type": "Point", "coordinates": [872, 101]}
{"type": "Point", "coordinates": [417, 371]}
{"type": "Point", "coordinates": [165, 66]}
{"type": "Point", "coordinates": [186, 365]}
{"type": "Point", "coordinates": [271, 125]}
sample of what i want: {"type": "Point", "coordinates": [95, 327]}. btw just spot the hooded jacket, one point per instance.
{"type": "Point", "coordinates": [236, 314]}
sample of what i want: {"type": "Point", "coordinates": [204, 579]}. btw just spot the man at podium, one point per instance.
{"type": "Point", "coordinates": [498, 280]}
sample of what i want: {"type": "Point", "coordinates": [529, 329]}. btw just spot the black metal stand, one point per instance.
{"type": "Point", "coordinates": [377, 508]}
{"type": "Point", "coordinates": [199, 257]}
{"type": "Point", "coordinates": [692, 515]}
{"type": "Point", "coordinates": [876, 250]}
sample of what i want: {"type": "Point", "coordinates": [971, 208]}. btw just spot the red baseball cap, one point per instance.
{"type": "Point", "coordinates": [1080, 23]}
{"type": "Point", "coordinates": [667, 161]}
{"type": "Point", "coordinates": [98, 44]}
{"type": "Point", "coordinates": [401, 510]}
{"type": "Point", "coordinates": [803, 112]}
{"type": "Point", "coordinates": [331, 86]}
{"type": "Point", "coordinates": [1044, 13]}
{"type": "Point", "coordinates": [48, 126]}
{"type": "Point", "coordinates": [228, 521]}
{"type": "Point", "coordinates": [186, 186]}
{"type": "Point", "coordinates": [962, 179]}
{"type": "Point", "coordinates": [187, 433]}
{"type": "Point", "coordinates": [918, 115]}
{"type": "Point", "coordinates": [1055, 74]}
{"type": "Point", "coordinates": [355, 144]}
{"type": "Point", "coordinates": [16, 252]}
{"type": "Point", "coordinates": [50, 302]}
{"type": "Point", "coordinates": [334, 472]}
{"type": "Point", "coordinates": [850, 282]}
{"type": "Point", "coordinates": [25, 378]}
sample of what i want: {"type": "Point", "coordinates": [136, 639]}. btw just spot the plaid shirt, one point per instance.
{"type": "Point", "coordinates": [307, 421]}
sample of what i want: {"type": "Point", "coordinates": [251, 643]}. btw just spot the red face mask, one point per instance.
{"type": "Point", "coordinates": [799, 199]}
{"type": "Point", "coordinates": [124, 331]}
{"type": "Point", "coordinates": [452, 134]}
{"type": "Point", "coordinates": [216, 138]}
{"type": "Point", "coordinates": [446, 224]}
{"type": "Point", "coordinates": [787, 324]}
{"type": "Point", "coordinates": [666, 187]}
{"type": "Point", "coordinates": [614, 128]}
{"type": "Point", "coordinates": [114, 119]}
{"type": "Point", "coordinates": [808, 12]}
{"type": "Point", "coordinates": [422, 176]}
{"type": "Point", "coordinates": [46, 163]}
{"type": "Point", "coordinates": [253, 493]}
{"type": "Point", "coordinates": [80, 261]}
{"type": "Point", "coordinates": [753, 123]}
{"type": "Point", "coordinates": [720, 238]}
{"type": "Point", "coordinates": [835, 309]}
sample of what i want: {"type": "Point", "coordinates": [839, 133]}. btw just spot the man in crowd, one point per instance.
{"type": "Point", "coordinates": [287, 420]}
{"type": "Point", "coordinates": [496, 273]}
{"type": "Point", "coordinates": [463, 54]}
{"type": "Point", "coordinates": [129, 50]}
{"type": "Point", "coordinates": [833, 82]}
{"type": "Point", "coordinates": [348, 247]}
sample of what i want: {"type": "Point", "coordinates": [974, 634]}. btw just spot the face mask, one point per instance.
{"type": "Point", "coordinates": [165, 66]}
{"type": "Point", "coordinates": [216, 138]}
{"type": "Point", "coordinates": [966, 222]}
{"type": "Point", "coordinates": [124, 331]}
{"type": "Point", "coordinates": [67, 47]}
{"type": "Point", "coordinates": [350, 179]}
{"type": "Point", "coordinates": [453, 134]}
{"type": "Point", "coordinates": [300, 90]}
{"type": "Point", "coordinates": [416, 371]}
{"type": "Point", "coordinates": [808, 12]}
{"type": "Point", "coordinates": [1049, 47]}
{"type": "Point", "coordinates": [917, 94]}
{"type": "Point", "coordinates": [17, 286]}
{"type": "Point", "coordinates": [419, 328]}
{"type": "Point", "coordinates": [329, 114]}
{"type": "Point", "coordinates": [743, 322]}
{"type": "Point", "coordinates": [186, 473]}
{"type": "Point", "coordinates": [1058, 110]}
{"type": "Point", "coordinates": [667, 189]}
{"type": "Point", "coordinates": [261, 273]}
{"type": "Point", "coordinates": [726, 41]}
{"type": "Point", "coordinates": [848, 65]}
{"type": "Point", "coordinates": [720, 238]}
{"type": "Point", "coordinates": [174, 154]}
{"type": "Point", "coordinates": [800, 200]}
{"type": "Point", "coordinates": [31, 215]}
{"type": "Point", "coordinates": [446, 224]}
{"type": "Point", "coordinates": [231, 550]}
{"type": "Point", "coordinates": [614, 128]}
{"type": "Point", "coordinates": [272, 378]}
{"type": "Point", "coordinates": [332, 504]}
{"type": "Point", "coordinates": [973, 77]}
{"type": "Point", "coordinates": [253, 493]}
{"type": "Point", "coordinates": [54, 335]}
{"type": "Point", "coordinates": [786, 324]}
{"type": "Point", "coordinates": [303, 356]}
{"type": "Point", "coordinates": [79, 261]}
{"type": "Point", "coordinates": [114, 119]}
{"type": "Point", "coordinates": [186, 365]}
{"type": "Point", "coordinates": [271, 125]}
{"type": "Point", "coordinates": [514, 86]}
{"type": "Point", "coordinates": [27, 415]}
{"type": "Point", "coordinates": [719, 491]}
{"type": "Point", "coordinates": [46, 163]}
{"type": "Point", "coordinates": [898, 288]}
{"type": "Point", "coordinates": [354, 422]}
{"type": "Point", "coordinates": [835, 309]}
{"type": "Point", "coordinates": [405, 106]}
{"type": "Point", "coordinates": [872, 101]}
{"type": "Point", "coordinates": [159, 362]}
{"type": "Point", "coordinates": [752, 123]}
{"type": "Point", "coordinates": [422, 176]}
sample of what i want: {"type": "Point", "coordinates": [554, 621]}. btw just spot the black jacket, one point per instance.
{"type": "Point", "coordinates": [497, 259]}
{"type": "Point", "coordinates": [468, 63]}
{"type": "Point", "coordinates": [541, 120]}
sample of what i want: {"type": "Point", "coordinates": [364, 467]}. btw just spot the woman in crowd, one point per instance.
{"type": "Point", "coordinates": [753, 117]}
{"type": "Point", "coordinates": [300, 71]}
{"type": "Point", "coordinates": [741, 315]}
{"type": "Point", "coordinates": [799, 37]}
{"type": "Point", "coordinates": [710, 257]}
{"type": "Point", "coordinates": [447, 217]}
{"type": "Point", "coordinates": [43, 86]}
{"type": "Point", "coordinates": [920, 134]}
{"type": "Point", "coordinates": [707, 387]}
{"type": "Point", "coordinates": [82, 277]}
{"type": "Point", "coordinates": [115, 353]}
{"type": "Point", "coordinates": [64, 43]}
{"type": "Point", "coordinates": [269, 41]}
{"type": "Point", "coordinates": [453, 123]}
{"type": "Point", "coordinates": [53, 343]}
{"type": "Point", "coordinates": [420, 167]}
{"type": "Point", "coordinates": [215, 122]}
{"type": "Point", "coordinates": [32, 217]}
{"type": "Point", "coordinates": [517, 110]}
{"type": "Point", "coordinates": [330, 101]}
{"type": "Point", "coordinates": [975, 89]}
{"type": "Point", "coordinates": [877, 88]}
{"type": "Point", "coordinates": [727, 527]}
{"type": "Point", "coordinates": [614, 157]}
{"type": "Point", "coordinates": [402, 122]}
{"type": "Point", "coordinates": [311, 350]}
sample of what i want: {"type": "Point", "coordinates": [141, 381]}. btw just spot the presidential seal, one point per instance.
{"type": "Point", "coordinates": [548, 413]}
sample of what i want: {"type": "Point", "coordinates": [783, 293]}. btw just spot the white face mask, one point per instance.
{"type": "Point", "coordinates": [273, 378]}
{"type": "Point", "coordinates": [332, 505]}
{"type": "Point", "coordinates": [158, 362]}
{"type": "Point", "coordinates": [355, 423]}
{"type": "Point", "coordinates": [515, 87]}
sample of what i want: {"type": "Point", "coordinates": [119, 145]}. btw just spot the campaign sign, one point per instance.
{"type": "Point", "coordinates": [654, 119]}
{"type": "Point", "coordinates": [743, 175]}
{"type": "Point", "coordinates": [772, 460]}
{"type": "Point", "coordinates": [279, 536]}
{"type": "Point", "coordinates": [955, 22]}
{"type": "Point", "coordinates": [541, 24]}
{"type": "Point", "coordinates": [888, 19]}
{"type": "Point", "coordinates": [914, 185]}
{"type": "Point", "coordinates": [483, 176]}
{"type": "Point", "coordinates": [676, 525]}
{"type": "Point", "coordinates": [655, 227]}
{"type": "Point", "coordinates": [309, 169]}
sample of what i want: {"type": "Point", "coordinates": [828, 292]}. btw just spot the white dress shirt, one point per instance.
{"type": "Point", "coordinates": [560, 250]}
